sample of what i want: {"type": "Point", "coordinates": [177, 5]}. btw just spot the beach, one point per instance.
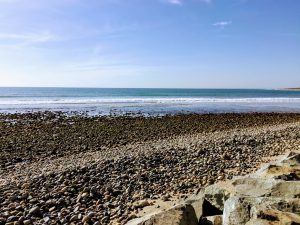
{"type": "Point", "coordinates": [57, 168]}
{"type": "Point", "coordinates": [164, 112]}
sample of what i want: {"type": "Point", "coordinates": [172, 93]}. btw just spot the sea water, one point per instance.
{"type": "Point", "coordinates": [105, 101]}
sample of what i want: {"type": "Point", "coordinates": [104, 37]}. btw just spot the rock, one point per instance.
{"type": "Point", "coordinates": [131, 216]}
{"type": "Point", "coordinates": [84, 195]}
{"type": "Point", "coordinates": [275, 209]}
{"type": "Point", "coordinates": [218, 193]}
{"type": "Point", "coordinates": [86, 219]}
{"type": "Point", "coordinates": [90, 214]}
{"type": "Point", "coordinates": [236, 211]}
{"type": "Point", "coordinates": [35, 211]}
{"type": "Point", "coordinates": [12, 219]}
{"type": "Point", "coordinates": [9, 223]}
{"type": "Point", "coordinates": [196, 201]}
{"type": "Point", "coordinates": [95, 164]}
{"type": "Point", "coordinates": [291, 159]}
{"type": "Point", "coordinates": [289, 189]}
{"type": "Point", "coordinates": [105, 219]}
{"type": "Point", "coordinates": [253, 187]}
{"type": "Point", "coordinates": [141, 204]}
{"type": "Point", "coordinates": [179, 215]}
{"type": "Point", "coordinates": [27, 222]}
{"type": "Point", "coordinates": [211, 220]}
{"type": "Point", "coordinates": [259, 222]}
{"type": "Point", "coordinates": [46, 219]}
{"type": "Point", "coordinates": [74, 218]}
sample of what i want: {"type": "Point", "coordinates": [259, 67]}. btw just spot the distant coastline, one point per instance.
{"type": "Point", "coordinates": [293, 89]}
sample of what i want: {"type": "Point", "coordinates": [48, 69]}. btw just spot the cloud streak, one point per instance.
{"type": "Point", "coordinates": [181, 2]}
{"type": "Point", "coordinates": [29, 37]}
{"type": "Point", "coordinates": [175, 2]}
{"type": "Point", "coordinates": [222, 24]}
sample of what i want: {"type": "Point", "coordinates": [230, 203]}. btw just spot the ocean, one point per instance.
{"type": "Point", "coordinates": [119, 101]}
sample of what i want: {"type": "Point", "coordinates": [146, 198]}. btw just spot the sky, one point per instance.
{"type": "Point", "coordinates": [150, 43]}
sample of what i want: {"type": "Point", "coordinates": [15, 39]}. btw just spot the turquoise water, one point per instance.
{"type": "Point", "coordinates": [147, 101]}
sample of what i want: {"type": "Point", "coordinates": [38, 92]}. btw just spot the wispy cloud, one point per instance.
{"type": "Point", "coordinates": [29, 37]}
{"type": "Point", "coordinates": [206, 1]}
{"type": "Point", "coordinates": [180, 2]}
{"type": "Point", "coordinates": [175, 2]}
{"type": "Point", "coordinates": [222, 24]}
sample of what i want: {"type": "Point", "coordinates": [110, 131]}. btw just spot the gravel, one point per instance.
{"type": "Point", "coordinates": [111, 183]}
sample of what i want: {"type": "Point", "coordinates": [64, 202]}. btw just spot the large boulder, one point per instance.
{"type": "Point", "coordinates": [288, 168]}
{"type": "Point", "coordinates": [183, 214]}
{"type": "Point", "coordinates": [291, 159]}
{"type": "Point", "coordinates": [196, 201]}
{"type": "Point", "coordinates": [218, 193]}
{"type": "Point", "coordinates": [276, 209]}
{"type": "Point", "coordinates": [236, 211]}
{"type": "Point", "coordinates": [271, 196]}
{"type": "Point", "coordinates": [287, 189]}
{"type": "Point", "coordinates": [266, 210]}
{"type": "Point", "coordinates": [254, 187]}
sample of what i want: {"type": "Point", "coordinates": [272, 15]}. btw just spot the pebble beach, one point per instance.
{"type": "Point", "coordinates": [60, 169]}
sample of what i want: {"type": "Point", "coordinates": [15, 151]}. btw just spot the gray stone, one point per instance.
{"type": "Point", "coordinates": [254, 187]}
{"type": "Point", "coordinates": [183, 214]}
{"type": "Point", "coordinates": [236, 211]}
{"type": "Point", "coordinates": [196, 201]}
{"type": "Point", "coordinates": [217, 194]}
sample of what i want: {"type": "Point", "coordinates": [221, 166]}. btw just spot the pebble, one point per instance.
{"type": "Point", "coordinates": [35, 211]}
{"type": "Point", "coordinates": [27, 222]}
{"type": "Point", "coordinates": [85, 219]}
{"type": "Point", "coordinates": [74, 218]}
{"type": "Point", "coordinates": [110, 186]}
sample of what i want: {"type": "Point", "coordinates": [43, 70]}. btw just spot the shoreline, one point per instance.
{"type": "Point", "coordinates": [292, 89]}
{"type": "Point", "coordinates": [145, 161]}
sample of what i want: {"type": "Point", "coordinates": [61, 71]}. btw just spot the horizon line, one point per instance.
{"type": "Point", "coordinates": [191, 88]}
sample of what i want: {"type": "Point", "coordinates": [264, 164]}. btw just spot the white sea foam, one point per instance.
{"type": "Point", "coordinates": [173, 100]}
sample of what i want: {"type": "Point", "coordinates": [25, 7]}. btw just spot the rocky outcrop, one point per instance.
{"type": "Point", "coordinates": [271, 196]}
{"type": "Point", "coordinates": [183, 214]}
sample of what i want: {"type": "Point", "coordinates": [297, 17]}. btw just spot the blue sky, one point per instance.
{"type": "Point", "coordinates": [150, 43]}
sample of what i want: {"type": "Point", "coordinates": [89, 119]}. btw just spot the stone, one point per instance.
{"type": "Point", "coordinates": [46, 219]}
{"type": "Point", "coordinates": [289, 189]}
{"type": "Point", "coordinates": [141, 204]}
{"type": "Point", "coordinates": [84, 195]}
{"type": "Point", "coordinates": [91, 214]}
{"type": "Point", "coordinates": [12, 219]}
{"type": "Point", "coordinates": [254, 187]}
{"type": "Point", "coordinates": [217, 194]}
{"type": "Point", "coordinates": [212, 220]}
{"type": "Point", "coordinates": [259, 222]}
{"type": "Point", "coordinates": [86, 219]}
{"type": "Point", "coordinates": [236, 211]}
{"type": "Point", "coordinates": [35, 211]}
{"type": "Point", "coordinates": [27, 222]}
{"type": "Point", "coordinates": [275, 209]}
{"type": "Point", "coordinates": [9, 223]}
{"type": "Point", "coordinates": [74, 218]}
{"type": "Point", "coordinates": [196, 201]}
{"type": "Point", "coordinates": [183, 214]}
{"type": "Point", "coordinates": [105, 219]}
{"type": "Point", "coordinates": [291, 159]}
